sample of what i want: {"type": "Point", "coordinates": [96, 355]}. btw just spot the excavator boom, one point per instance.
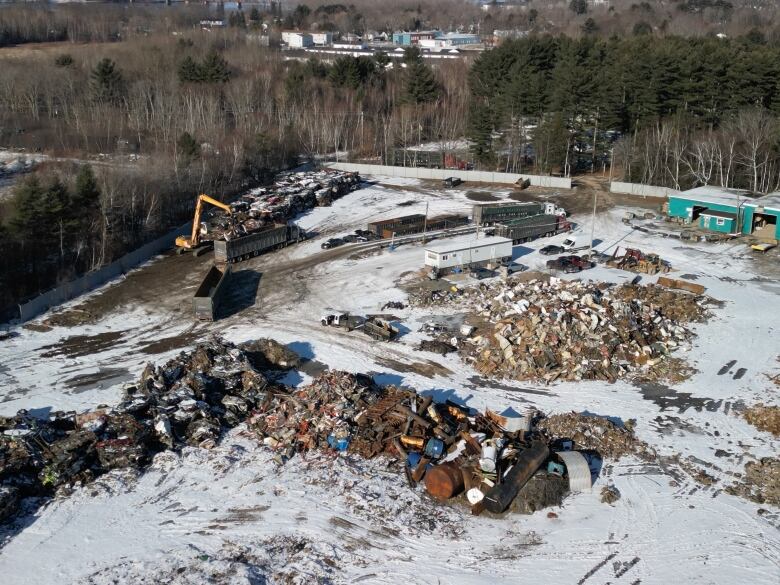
{"type": "Point", "coordinates": [194, 240]}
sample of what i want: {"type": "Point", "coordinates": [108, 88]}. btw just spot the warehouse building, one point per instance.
{"type": "Point", "coordinates": [711, 208]}
{"type": "Point", "coordinates": [297, 40]}
{"type": "Point", "coordinates": [406, 39]}
{"type": "Point", "coordinates": [467, 252]}
{"type": "Point", "coordinates": [761, 216]}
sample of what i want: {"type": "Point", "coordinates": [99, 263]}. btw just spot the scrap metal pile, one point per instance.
{"type": "Point", "coordinates": [487, 459]}
{"type": "Point", "coordinates": [563, 330]}
{"type": "Point", "coordinates": [291, 194]}
{"type": "Point", "coordinates": [495, 461]}
{"type": "Point", "coordinates": [187, 401]}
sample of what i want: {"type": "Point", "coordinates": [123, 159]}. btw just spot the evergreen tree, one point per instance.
{"type": "Point", "coordinates": [190, 71]}
{"type": "Point", "coordinates": [412, 54]}
{"type": "Point", "coordinates": [589, 27]}
{"type": "Point", "coordinates": [214, 68]}
{"type": "Point", "coordinates": [480, 132]}
{"type": "Point", "coordinates": [64, 60]}
{"type": "Point", "coordinates": [254, 16]}
{"type": "Point", "coordinates": [578, 7]}
{"type": "Point", "coordinates": [642, 28]}
{"type": "Point", "coordinates": [421, 86]}
{"type": "Point", "coordinates": [381, 59]}
{"type": "Point", "coordinates": [106, 82]}
{"type": "Point", "coordinates": [40, 211]}
{"type": "Point", "coordinates": [188, 147]}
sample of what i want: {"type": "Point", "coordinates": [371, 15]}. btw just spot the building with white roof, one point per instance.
{"type": "Point", "coordinates": [467, 251]}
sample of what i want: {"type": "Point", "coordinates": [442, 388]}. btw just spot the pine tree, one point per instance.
{"type": "Point", "coordinates": [254, 15]}
{"type": "Point", "coordinates": [214, 68]}
{"type": "Point", "coordinates": [188, 146]}
{"type": "Point", "coordinates": [189, 71]}
{"type": "Point", "coordinates": [480, 133]}
{"type": "Point", "coordinates": [421, 86]}
{"type": "Point", "coordinates": [106, 82]}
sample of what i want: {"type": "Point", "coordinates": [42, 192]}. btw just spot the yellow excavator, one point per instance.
{"type": "Point", "coordinates": [183, 243]}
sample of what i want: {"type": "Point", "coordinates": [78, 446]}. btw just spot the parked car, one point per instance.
{"type": "Point", "coordinates": [452, 182]}
{"type": "Point", "coordinates": [564, 264]}
{"type": "Point", "coordinates": [350, 239]}
{"type": "Point", "coordinates": [332, 243]}
{"type": "Point", "coordinates": [480, 273]}
{"type": "Point", "coordinates": [551, 250]}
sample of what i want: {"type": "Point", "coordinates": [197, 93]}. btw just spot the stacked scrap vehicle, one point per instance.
{"type": "Point", "coordinates": [257, 223]}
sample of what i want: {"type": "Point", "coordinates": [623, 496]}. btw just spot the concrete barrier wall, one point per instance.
{"type": "Point", "coordinates": [642, 190]}
{"type": "Point", "coordinates": [93, 280]}
{"type": "Point", "coordinates": [472, 176]}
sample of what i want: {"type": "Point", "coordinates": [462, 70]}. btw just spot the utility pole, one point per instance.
{"type": "Point", "coordinates": [425, 222]}
{"type": "Point", "coordinates": [592, 226]}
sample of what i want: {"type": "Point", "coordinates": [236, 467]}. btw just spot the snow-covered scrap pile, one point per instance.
{"type": "Point", "coordinates": [291, 193]}
{"type": "Point", "coordinates": [577, 330]}
{"type": "Point", "coordinates": [197, 396]}
{"type": "Point", "coordinates": [189, 400]}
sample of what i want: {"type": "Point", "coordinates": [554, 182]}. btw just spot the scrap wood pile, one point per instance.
{"type": "Point", "coordinates": [291, 194]}
{"type": "Point", "coordinates": [764, 418]}
{"type": "Point", "coordinates": [188, 401]}
{"type": "Point", "coordinates": [576, 330]}
{"type": "Point", "coordinates": [760, 483]}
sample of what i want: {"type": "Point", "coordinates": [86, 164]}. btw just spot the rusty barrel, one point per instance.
{"type": "Point", "coordinates": [444, 481]}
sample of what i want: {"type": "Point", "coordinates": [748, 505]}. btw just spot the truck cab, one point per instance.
{"type": "Point", "coordinates": [569, 243]}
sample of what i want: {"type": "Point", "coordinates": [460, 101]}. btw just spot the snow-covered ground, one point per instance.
{"type": "Point", "coordinates": [232, 515]}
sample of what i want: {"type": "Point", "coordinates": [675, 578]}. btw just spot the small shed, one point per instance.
{"type": "Point", "coordinates": [468, 251]}
{"type": "Point", "coordinates": [718, 221]}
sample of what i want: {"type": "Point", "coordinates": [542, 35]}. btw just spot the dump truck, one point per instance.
{"type": "Point", "coordinates": [529, 228]}
{"type": "Point", "coordinates": [210, 294]}
{"type": "Point", "coordinates": [379, 329]}
{"type": "Point", "coordinates": [194, 241]}
{"type": "Point", "coordinates": [244, 247]}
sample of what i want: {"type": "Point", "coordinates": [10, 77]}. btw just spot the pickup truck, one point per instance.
{"type": "Point", "coordinates": [570, 264]}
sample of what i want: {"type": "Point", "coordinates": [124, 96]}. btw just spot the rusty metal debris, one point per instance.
{"type": "Point", "coordinates": [291, 194]}
{"type": "Point", "coordinates": [494, 461]}
{"type": "Point", "coordinates": [558, 330]}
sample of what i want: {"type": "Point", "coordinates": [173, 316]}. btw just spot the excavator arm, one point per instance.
{"type": "Point", "coordinates": [194, 240]}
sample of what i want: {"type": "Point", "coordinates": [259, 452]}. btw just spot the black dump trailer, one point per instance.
{"type": "Point", "coordinates": [210, 293]}
{"type": "Point", "coordinates": [529, 228]}
{"type": "Point", "coordinates": [238, 249]}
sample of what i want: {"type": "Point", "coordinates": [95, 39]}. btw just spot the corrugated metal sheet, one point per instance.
{"type": "Point", "coordinates": [577, 469]}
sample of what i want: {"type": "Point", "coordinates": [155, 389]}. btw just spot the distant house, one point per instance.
{"type": "Point", "coordinates": [322, 38]}
{"type": "Point", "coordinates": [212, 23]}
{"type": "Point", "coordinates": [296, 39]}
{"type": "Point", "coordinates": [406, 39]}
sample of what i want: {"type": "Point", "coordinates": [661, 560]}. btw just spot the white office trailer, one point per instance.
{"type": "Point", "coordinates": [467, 252]}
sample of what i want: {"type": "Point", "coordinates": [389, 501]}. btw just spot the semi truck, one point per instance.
{"type": "Point", "coordinates": [529, 228]}
{"type": "Point", "coordinates": [244, 247]}
{"type": "Point", "coordinates": [210, 294]}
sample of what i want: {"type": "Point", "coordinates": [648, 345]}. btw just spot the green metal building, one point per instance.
{"type": "Point", "coordinates": [762, 216]}
{"type": "Point", "coordinates": [711, 208]}
{"type": "Point", "coordinates": [728, 211]}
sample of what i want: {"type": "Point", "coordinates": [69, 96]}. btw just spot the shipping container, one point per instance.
{"type": "Point", "coordinates": [208, 298]}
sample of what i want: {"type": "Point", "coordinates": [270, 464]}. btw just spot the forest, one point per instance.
{"type": "Point", "coordinates": [136, 114]}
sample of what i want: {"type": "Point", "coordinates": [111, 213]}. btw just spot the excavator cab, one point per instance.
{"type": "Point", "coordinates": [193, 242]}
